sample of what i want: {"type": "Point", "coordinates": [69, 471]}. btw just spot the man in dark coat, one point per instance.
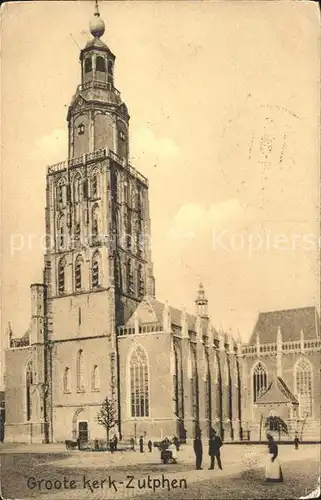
{"type": "Point", "coordinates": [198, 449]}
{"type": "Point", "coordinates": [141, 444]}
{"type": "Point", "coordinates": [215, 444]}
{"type": "Point", "coordinates": [296, 442]}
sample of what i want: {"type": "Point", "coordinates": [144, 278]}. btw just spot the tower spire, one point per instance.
{"type": "Point", "coordinates": [201, 302]}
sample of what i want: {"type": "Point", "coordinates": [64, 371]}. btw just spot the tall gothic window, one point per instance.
{"type": "Point", "coordinates": [95, 187]}
{"type": "Point", "coordinates": [80, 371]}
{"type": "Point", "coordinates": [61, 276]}
{"type": "Point", "coordinates": [66, 380]}
{"type": "Point", "coordinates": [259, 381]}
{"type": "Point", "coordinates": [126, 192]}
{"type": "Point", "coordinates": [95, 222]}
{"type": "Point", "coordinates": [77, 226]}
{"type": "Point", "coordinates": [95, 381]}
{"type": "Point", "coordinates": [129, 276]}
{"type": "Point", "coordinates": [140, 282]}
{"type": "Point", "coordinates": [77, 188]}
{"type": "Point", "coordinates": [95, 270]}
{"type": "Point", "coordinates": [139, 200]}
{"type": "Point", "coordinates": [139, 383]}
{"type": "Point", "coordinates": [61, 193]}
{"type": "Point", "coordinates": [29, 382]}
{"type": "Point", "coordinates": [78, 273]}
{"type": "Point", "coordinates": [303, 382]}
{"type": "Point", "coordinates": [118, 226]}
{"type": "Point", "coordinates": [61, 232]}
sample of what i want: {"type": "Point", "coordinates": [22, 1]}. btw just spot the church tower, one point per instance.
{"type": "Point", "coordinates": [98, 259]}
{"type": "Point", "coordinates": [201, 302]}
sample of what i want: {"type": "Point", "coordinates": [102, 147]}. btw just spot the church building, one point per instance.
{"type": "Point", "coordinates": [98, 330]}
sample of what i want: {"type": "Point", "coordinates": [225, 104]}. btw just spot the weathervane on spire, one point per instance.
{"type": "Point", "coordinates": [96, 9]}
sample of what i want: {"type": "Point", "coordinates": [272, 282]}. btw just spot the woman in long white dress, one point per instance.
{"type": "Point", "coordinates": [273, 471]}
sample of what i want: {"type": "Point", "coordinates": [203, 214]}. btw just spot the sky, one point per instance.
{"type": "Point", "coordinates": [225, 110]}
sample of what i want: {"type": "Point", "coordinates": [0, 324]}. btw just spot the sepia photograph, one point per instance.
{"type": "Point", "coordinates": [160, 250]}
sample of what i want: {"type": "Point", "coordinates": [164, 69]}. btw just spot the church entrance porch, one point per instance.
{"type": "Point", "coordinates": [83, 432]}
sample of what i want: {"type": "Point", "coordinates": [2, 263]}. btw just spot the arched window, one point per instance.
{"type": "Point", "coordinates": [80, 371]}
{"type": "Point", "coordinates": [140, 282]}
{"type": "Point", "coordinates": [61, 276]}
{"type": "Point", "coordinates": [77, 188]}
{"type": "Point", "coordinates": [95, 381]}
{"type": "Point", "coordinates": [66, 380]}
{"type": "Point", "coordinates": [88, 65]}
{"type": "Point", "coordinates": [140, 200]}
{"type": "Point", "coordinates": [303, 382]}
{"type": "Point", "coordinates": [126, 192]}
{"type": "Point", "coordinates": [29, 382]}
{"type": "Point", "coordinates": [78, 273]}
{"type": "Point", "coordinates": [61, 232]}
{"type": "Point", "coordinates": [110, 67]}
{"type": "Point", "coordinates": [77, 226]}
{"type": "Point", "coordinates": [100, 64]}
{"type": "Point", "coordinates": [139, 383]}
{"type": "Point", "coordinates": [95, 271]}
{"type": "Point", "coordinates": [95, 185]}
{"type": "Point", "coordinates": [259, 381]}
{"type": "Point", "coordinates": [61, 192]}
{"type": "Point", "coordinates": [95, 222]}
{"type": "Point", "coordinates": [118, 225]}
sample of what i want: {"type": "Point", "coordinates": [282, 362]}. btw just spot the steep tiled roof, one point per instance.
{"type": "Point", "coordinates": [277, 392]}
{"type": "Point", "coordinates": [290, 321]}
{"type": "Point", "coordinates": [151, 310]}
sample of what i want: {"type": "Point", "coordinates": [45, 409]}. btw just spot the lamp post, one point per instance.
{"type": "Point", "coordinates": [135, 431]}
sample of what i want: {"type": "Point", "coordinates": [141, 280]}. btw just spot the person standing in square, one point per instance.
{"type": "Point", "coordinates": [198, 449]}
{"type": "Point", "coordinates": [215, 443]}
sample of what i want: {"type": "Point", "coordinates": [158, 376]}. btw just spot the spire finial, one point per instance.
{"type": "Point", "coordinates": [97, 25]}
{"type": "Point", "coordinates": [96, 9]}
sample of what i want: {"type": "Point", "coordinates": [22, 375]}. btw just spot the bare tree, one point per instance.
{"type": "Point", "coordinates": [107, 416]}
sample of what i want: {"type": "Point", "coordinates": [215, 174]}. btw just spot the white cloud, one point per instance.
{"type": "Point", "coordinates": [151, 150]}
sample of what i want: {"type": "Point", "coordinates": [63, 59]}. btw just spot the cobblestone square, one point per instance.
{"type": "Point", "coordinates": [50, 473]}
